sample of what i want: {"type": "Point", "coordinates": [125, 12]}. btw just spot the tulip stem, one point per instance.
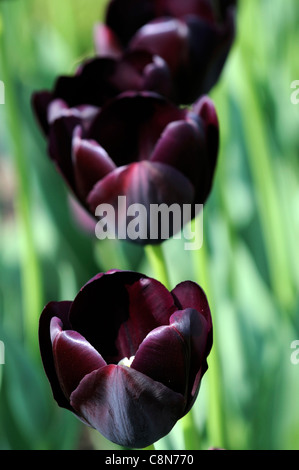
{"type": "Point", "coordinates": [156, 259]}
{"type": "Point", "coordinates": [191, 437]}
{"type": "Point", "coordinates": [151, 447]}
{"type": "Point", "coordinates": [216, 421]}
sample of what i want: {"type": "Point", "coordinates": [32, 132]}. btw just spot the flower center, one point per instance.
{"type": "Point", "coordinates": [126, 362]}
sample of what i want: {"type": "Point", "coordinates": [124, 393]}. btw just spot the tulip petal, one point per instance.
{"type": "Point", "coordinates": [106, 42]}
{"type": "Point", "coordinates": [60, 310]}
{"type": "Point", "coordinates": [127, 407]}
{"type": "Point", "coordinates": [105, 303]}
{"type": "Point", "coordinates": [123, 330]}
{"type": "Point", "coordinates": [137, 14]}
{"type": "Point", "coordinates": [210, 44]}
{"type": "Point", "coordinates": [156, 304]}
{"type": "Point", "coordinates": [179, 9]}
{"type": "Point", "coordinates": [148, 187]}
{"type": "Point", "coordinates": [138, 120]}
{"type": "Point", "coordinates": [203, 110]}
{"type": "Point", "coordinates": [74, 357]}
{"type": "Point", "coordinates": [91, 163]}
{"type": "Point", "coordinates": [90, 85]}
{"type": "Point", "coordinates": [40, 102]}
{"type": "Point", "coordinates": [167, 38]}
{"type": "Point", "coordinates": [188, 294]}
{"type": "Point", "coordinates": [195, 331]}
{"type": "Point", "coordinates": [182, 145]}
{"type": "Point", "coordinates": [60, 146]}
{"type": "Point", "coordinates": [164, 357]}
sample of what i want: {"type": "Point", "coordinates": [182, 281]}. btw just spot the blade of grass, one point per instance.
{"type": "Point", "coordinates": [261, 163]}
{"type": "Point", "coordinates": [30, 272]}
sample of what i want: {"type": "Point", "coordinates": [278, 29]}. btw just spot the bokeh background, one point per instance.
{"type": "Point", "coordinates": [249, 262]}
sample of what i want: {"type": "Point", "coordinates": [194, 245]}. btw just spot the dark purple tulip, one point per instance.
{"type": "Point", "coordinates": [137, 145]}
{"type": "Point", "coordinates": [127, 356]}
{"type": "Point", "coordinates": [194, 37]}
{"type": "Point", "coordinates": [100, 79]}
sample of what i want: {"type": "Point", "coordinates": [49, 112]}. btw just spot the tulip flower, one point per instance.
{"type": "Point", "coordinates": [137, 145]}
{"type": "Point", "coordinates": [99, 79]}
{"type": "Point", "coordinates": [127, 356]}
{"type": "Point", "coordinates": [194, 37]}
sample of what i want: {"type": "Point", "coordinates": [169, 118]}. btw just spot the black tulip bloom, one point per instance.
{"type": "Point", "coordinates": [137, 145]}
{"type": "Point", "coordinates": [100, 79]}
{"type": "Point", "coordinates": [127, 356]}
{"type": "Point", "coordinates": [194, 37]}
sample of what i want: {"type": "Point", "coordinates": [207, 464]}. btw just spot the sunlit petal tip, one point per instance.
{"type": "Point", "coordinates": [106, 42]}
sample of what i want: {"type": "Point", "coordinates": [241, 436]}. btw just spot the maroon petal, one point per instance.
{"type": "Point", "coordinates": [182, 145]}
{"type": "Point", "coordinates": [138, 120]}
{"type": "Point", "coordinates": [210, 43]}
{"type": "Point", "coordinates": [99, 310]}
{"type": "Point", "coordinates": [167, 38]}
{"type": "Point", "coordinates": [40, 102]}
{"type": "Point", "coordinates": [60, 310]}
{"type": "Point", "coordinates": [91, 163]}
{"type": "Point", "coordinates": [164, 357]}
{"type": "Point", "coordinates": [204, 111]}
{"type": "Point", "coordinates": [156, 304]}
{"type": "Point", "coordinates": [58, 108]}
{"type": "Point", "coordinates": [179, 8]}
{"type": "Point", "coordinates": [188, 294]}
{"type": "Point", "coordinates": [195, 331]}
{"type": "Point", "coordinates": [125, 17]}
{"type": "Point", "coordinates": [60, 146]}
{"type": "Point", "coordinates": [158, 78]}
{"type": "Point", "coordinates": [151, 185]}
{"type": "Point", "coordinates": [74, 357]}
{"type": "Point", "coordinates": [90, 85]}
{"type": "Point", "coordinates": [120, 313]}
{"type": "Point", "coordinates": [126, 22]}
{"type": "Point", "coordinates": [127, 407]}
{"type": "Point", "coordinates": [106, 42]}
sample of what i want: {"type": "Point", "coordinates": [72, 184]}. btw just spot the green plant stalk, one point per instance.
{"type": "Point", "coordinates": [30, 273]}
{"type": "Point", "coordinates": [190, 433]}
{"type": "Point", "coordinates": [263, 175]}
{"type": "Point", "coordinates": [216, 419]}
{"type": "Point", "coordinates": [151, 447]}
{"type": "Point", "coordinates": [156, 258]}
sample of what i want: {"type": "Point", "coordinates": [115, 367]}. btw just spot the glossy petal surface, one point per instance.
{"type": "Point", "coordinates": [152, 188]}
{"type": "Point", "coordinates": [60, 310]}
{"type": "Point", "coordinates": [126, 406]}
{"type": "Point", "coordinates": [91, 163]}
{"type": "Point", "coordinates": [74, 357]}
{"type": "Point", "coordinates": [154, 359]}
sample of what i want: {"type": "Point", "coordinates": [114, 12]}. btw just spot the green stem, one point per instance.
{"type": "Point", "coordinates": [262, 167]}
{"type": "Point", "coordinates": [191, 437]}
{"type": "Point", "coordinates": [215, 424]}
{"type": "Point", "coordinates": [156, 258]}
{"type": "Point", "coordinates": [151, 447]}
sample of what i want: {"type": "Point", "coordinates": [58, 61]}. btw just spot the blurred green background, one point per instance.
{"type": "Point", "coordinates": [249, 263]}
